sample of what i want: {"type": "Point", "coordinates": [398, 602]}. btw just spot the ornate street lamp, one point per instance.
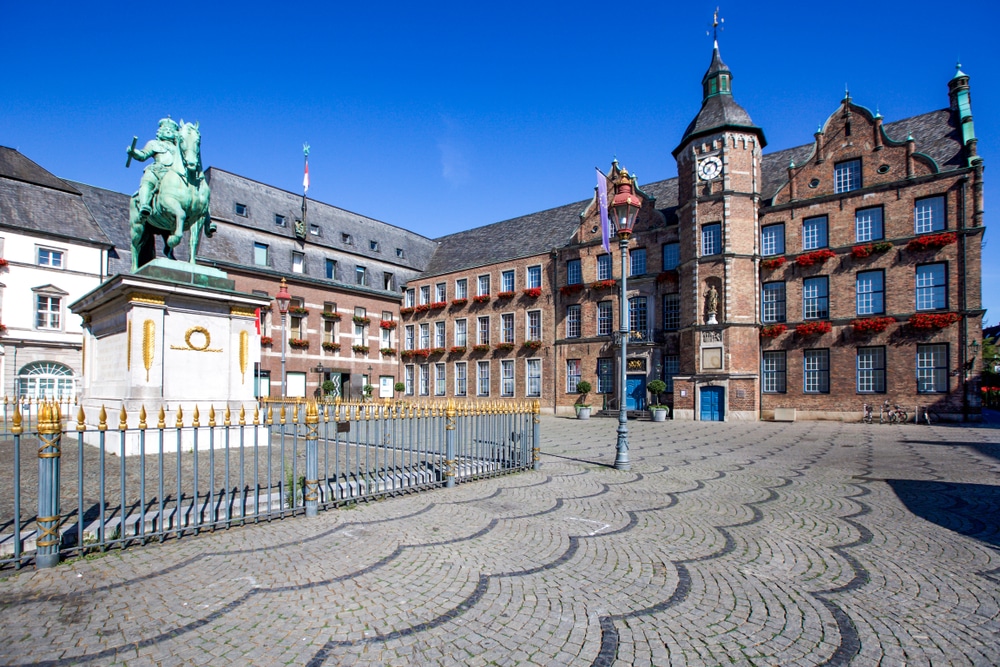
{"type": "Point", "coordinates": [624, 207]}
{"type": "Point", "coordinates": [283, 298]}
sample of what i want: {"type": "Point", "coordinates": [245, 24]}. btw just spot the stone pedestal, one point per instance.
{"type": "Point", "coordinates": [172, 335]}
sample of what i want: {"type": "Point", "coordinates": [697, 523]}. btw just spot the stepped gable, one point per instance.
{"type": "Point", "coordinates": [525, 236]}
{"type": "Point", "coordinates": [33, 199]}
{"type": "Point", "coordinates": [263, 202]}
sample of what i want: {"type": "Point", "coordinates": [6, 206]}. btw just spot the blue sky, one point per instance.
{"type": "Point", "coordinates": [439, 117]}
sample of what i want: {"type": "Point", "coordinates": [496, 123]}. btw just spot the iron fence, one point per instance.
{"type": "Point", "coordinates": [72, 486]}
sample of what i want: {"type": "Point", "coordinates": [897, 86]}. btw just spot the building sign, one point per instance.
{"type": "Point", "coordinates": [636, 365]}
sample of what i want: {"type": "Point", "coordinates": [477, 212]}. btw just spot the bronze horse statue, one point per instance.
{"type": "Point", "coordinates": [179, 203]}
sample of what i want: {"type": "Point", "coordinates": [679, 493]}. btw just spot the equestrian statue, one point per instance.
{"type": "Point", "coordinates": [173, 195]}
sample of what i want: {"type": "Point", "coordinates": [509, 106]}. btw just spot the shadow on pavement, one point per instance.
{"type": "Point", "coordinates": [972, 510]}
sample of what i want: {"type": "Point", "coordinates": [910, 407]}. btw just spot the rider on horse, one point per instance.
{"type": "Point", "coordinates": [164, 152]}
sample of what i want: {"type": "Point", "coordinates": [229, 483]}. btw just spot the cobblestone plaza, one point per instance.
{"type": "Point", "coordinates": [815, 543]}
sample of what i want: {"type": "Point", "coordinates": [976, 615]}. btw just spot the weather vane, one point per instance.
{"type": "Point", "coordinates": [716, 23]}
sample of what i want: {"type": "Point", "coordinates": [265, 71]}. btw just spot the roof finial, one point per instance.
{"type": "Point", "coordinates": [847, 92]}
{"type": "Point", "coordinates": [716, 22]}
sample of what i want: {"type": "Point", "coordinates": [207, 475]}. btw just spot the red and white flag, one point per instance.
{"type": "Point", "coordinates": [305, 179]}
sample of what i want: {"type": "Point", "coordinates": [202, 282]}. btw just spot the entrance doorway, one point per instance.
{"type": "Point", "coordinates": [712, 403]}
{"type": "Point", "coordinates": [635, 392]}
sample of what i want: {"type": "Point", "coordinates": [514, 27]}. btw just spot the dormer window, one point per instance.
{"type": "Point", "coordinates": [373, 245]}
{"type": "Point", "coordinates": [314, 230]}
{"type": "Point", "coordinates": [346, 239]}
{"type": "Point", "coordinates": [399, 253]}
{"type": "Point", "coordinates": [280, 220]}
{"type": "Point", "coordinates": [240, 209]}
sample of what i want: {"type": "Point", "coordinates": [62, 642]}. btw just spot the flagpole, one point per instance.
{"type": "Point", "coordinates": [305, 183]}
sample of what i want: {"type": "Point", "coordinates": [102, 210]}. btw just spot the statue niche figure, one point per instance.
{"type": "Point", "coordinates": [173, 195]}
{"type": "Point", "coordinates": [711, 304]}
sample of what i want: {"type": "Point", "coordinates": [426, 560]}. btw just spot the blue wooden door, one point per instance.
{"type": "Point", "coordinates": [635, 392]}
{"type": "Point", "coordinates": [712, 404]}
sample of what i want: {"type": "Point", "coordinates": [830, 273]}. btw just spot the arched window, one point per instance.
{"type": "Point", "coordinates": [47, 379]}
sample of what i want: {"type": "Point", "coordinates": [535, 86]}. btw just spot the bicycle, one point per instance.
{"type": "Point", "coordinates": [867, 416]}
{"type": "Point", "coordinates": [894, 415]}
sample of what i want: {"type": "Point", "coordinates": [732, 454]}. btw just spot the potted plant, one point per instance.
{"type": "Point", "coordinates": [368, 389]}
{"type": "Point", "coordinates": [582, 409]}
{"type": "Point", "coordinates": [400, 387]}
{"type": "Point", "coordinates": [655, 388]}
{"type": "Point", "coordinates": [328, 387]}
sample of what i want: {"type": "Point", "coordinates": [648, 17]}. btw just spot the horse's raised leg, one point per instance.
{"type": "Point", "coordinates": [174, 239]}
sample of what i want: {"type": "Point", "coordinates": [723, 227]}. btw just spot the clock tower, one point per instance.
{"type": "Point", "coordinates": [719, 182]}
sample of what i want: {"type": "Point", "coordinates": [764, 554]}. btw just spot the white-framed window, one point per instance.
{"type": "Point", "coordinates": [483, 331]}
{"type": "Point", "coordinates": [574, 272]}
{"type": "Point", "coordinates": [605, 375]}
{"type": "Point", "coordinates": [573, 321]}
{"type": "Point", "coordinates": [638, 314]}
{"type": "Point", "coordinates": [507, 328]}
{"type": "Point", "coordinates": [314, 230]}
{"type": "Point", "coordinates": [932, 369]}
{"type": "Point", "coordinates": [533, 387]}
{"type": "Point", "coordinates": [425, 379]}
{"type": "Point", "coordinates": [671, 256]}
{"type": "Point", "coordinates": [772, 297]}
{"type": "Point", "coordinates": [847, 176]}
{"type": "Point", "coordinates": [441, 292]}
{"type": "Point", "coordinates": [408, 339]}
{"type": "Point", "coordinates": [48, 380]}
{"type": "Point", "coordinates": [573, 375]}
{"type": "Point", "coordinates": [425, 336]}
{"type": "Point", "coordinates": [534, 325]}
{"type": "Point", "coordinates": [346, 239]}
{"type": "Point", "coordinates": [814, 233]}
{"type": "Point", "coordinates": [240, 210]}
{"type": "Point", "coordinates": [387, 281]}
{"type": "Point", "coordinates": [637, 262]}
{"type": "Point", "coordinates": [439, 379]}
{"type": "Point", "coordinates": [815, 298]}
{"type": "Point", "coordinates": [373, 246]}
{"type": "Point", "coordinates": [928, 215]}
{"type": "Point", "coordinates": [711, 239]}
{"type": "Point", "coordinates": [871, 370]}
{"type": "Point", "coordinates": [773, 367]}
{"type": "Point", "coordinates": [534, 278]}
{"type": "Point", "coordinates": [400, 253]}
{"type": "Point", "coordinates": [461, 332]}
{"type": "Point", "coordinates": [507, 281]}
{"type": "Point", "coordinates": [280, 220]}
{"type": "Point", "coordinates": [408, 379]}
{"type": "Point", "coordinates": [605, 316]}
{"type": "Point", "coordinates": [48, 312]}
{"type": "Point", "coordinates": [461, 378]}
{"type": "Point", "coordinates": [671, 312]}
{"type": "Point", "coordinates": [483, 378]}
{"type": "Point", "coordinates": [507, 377]}
{"type": "Point", "coordinates": [870, 292]}
{"type": "Point", "coordinates": [439, 335]}
{"type": "Point", "coordinates": [868, 224]}
{"type": "Point", "coordinates": [50, 257]}
{"type": "Point", "coordinates": [483, 286]}
{"type": "Point", "coordinates": [462, 288]}
{"type": "Point", "coordinates": [331, 269]}
{"type": "Point", "coordinates": [409, 298]}
{"type": "Point", "coordinates": [604, 267]}
{"type": "Point", "coordinates": [772, 240]}
{"type": "Point", "coordinates": [931, 283]}
{"type": "Point", "coordinates": [260, 254]}
{"type": "Point", "coordinates": [298, 262]}
{"type": "Point", "coordinates": [425, 295]}
{"type": "Point", "coordinates": [816, 371]}
{"type": "Point", "coordinates": [361, 275]}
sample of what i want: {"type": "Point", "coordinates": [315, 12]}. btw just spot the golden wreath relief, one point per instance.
{"type": "Point", "coordinates": [193, 344]}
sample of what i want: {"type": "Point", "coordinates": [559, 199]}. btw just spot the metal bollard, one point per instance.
{"type": "Point", "coordinates": [311, 491]}
{"type": "Point", "coordinates": [449, 445]}
{"type": "Point", "coordinates": [50, 434]}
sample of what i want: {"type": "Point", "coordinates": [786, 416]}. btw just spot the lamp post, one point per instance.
{"type": "Point", "coordinates": [625, 206]}
{"type": "Point", "coordinates": [283, 298]}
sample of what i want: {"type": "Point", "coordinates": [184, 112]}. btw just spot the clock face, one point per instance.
{"type": "Point", "coordinates": [709, 168]}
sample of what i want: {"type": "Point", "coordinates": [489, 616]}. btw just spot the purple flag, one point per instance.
{"type": "Point", "coordinates": [602, 202]}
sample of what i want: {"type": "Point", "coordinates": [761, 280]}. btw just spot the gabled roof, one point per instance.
{"type": "Point", "coordinates": [15, 166]}
{"type": "Point", "coordinates": [110, 210]}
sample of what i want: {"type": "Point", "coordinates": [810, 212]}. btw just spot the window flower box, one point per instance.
{"type": "Point", "coordinates": [360, 349]}
{"type": "Point", "coordinates": [930, 321]}
{"type": "Point", "coordinates": [264, 340]}
{"type": "Point", "coordinates": [458, 349]}
{"type": "Point", "coordinates": [773, 263]}
{"type": "Point", "coordinates": [505, 295]}
{"type": "Point", "coordinates": [298, 311]}
{"type": "Point", "coordinates": [387, 324]}
{"type": "Point", "coordinates": [300, 343]}
{"type": "Point", "coordinates": [330, 317]}
{"type": "Point", "coordinates": [482, 298]}
{"type": "Point", "coordinates": [331, 347]}
{"type": "Point", "coordinates": [668, 276]}
{"type": "Point", "coordinates": [817, 328]}
{"type": "Point", "coordinates": [566, 290]}
{"type": "Point", "coordinates": [505, 347]}
{"type": "Point", "coordinates": [388, 351]}
{"type": "Point", "coordinates": [406, 310]}
{"type": "Point", "coordinates": [458, 303]}
{"type": "Point", "coordinates": [423, 308]}
{"type": "Point", "coordinates": [815, 257]}
{"type": "Point", "coordinates": [423, 353]}
{"type": "Point", "coordinates": [533, 292]}
{"type": "Point", "coordinates": [363, 321]}
{"type": "Point", "coordinates": [932, 241]}
{"type": "Point", "coordinates": [872, 325]}
{"type": "Point", "coordinates": [437, 350]}
{"type": "Point", "coordinates": [773, 330]}
{"type": "Point", "coordinates": [863, 251]}
{"type": "Point", "coordinates": [406, 354]}
{"type": "Point", "coordinates": [603, 284]}
{"type": "Point", "coordinates": [480, 348]}
{"type": "Point", "coordinates": [531, 344]}
{"type": "Point", "coordinates": [438, 305]}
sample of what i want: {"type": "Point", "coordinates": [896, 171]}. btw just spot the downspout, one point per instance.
{"type": "Point", "coordinates": [963, 299]}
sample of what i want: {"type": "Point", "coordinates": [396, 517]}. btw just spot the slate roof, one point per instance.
{"type": "Point", "coordinates": [35, 200]}
{"type": "Point", "coordinates": [110, 211]}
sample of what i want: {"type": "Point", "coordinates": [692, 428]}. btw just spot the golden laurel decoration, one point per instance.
{"type": "Point", "coordinates": [128, 345]}
{"type": "Point", "coordinates": [148, 344]}
{"type": "Point", "coordinates": [197, 348]}
{"type": "Point", "coordinates": [244, 353]}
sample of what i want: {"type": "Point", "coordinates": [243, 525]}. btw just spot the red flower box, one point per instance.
{"type": "Point", "coordinates": [480, 348]}
{"type": "Point", "coordinates": [482, 298]}
{"type": "Point", "coordinates": [571, 289]}
{"type": "Point", "coordinates": [813, 328]}
{"type": "Point", "coordinates": [505, 295]}
{"type": "Point", "coordinates": [533, 292]}
{"type": "Point", "coordinates": [298, 311]}
{"type": "Point", "coordinates": [360, 349]}
{"type": "Point", "coordinates": [933, 320]}
{"type": "Point", "coordinates": [437, 350]}
{"type": "Point", "coordinates": [459, 302]}
{"type": "Point", "coordinates": [773, 263]}
{"type": "Point", "coordinates": [505, 347]}
{"type": "Point", "coordinates": [423, 352]}
{"type": "Point", "coordinates": [405, 310]}
{"type": "Point", "coordinates": [531, 344]}
{"type": "Point", "coordinates": [458, 349]}
{"type": "Point", "coordinates": [815, 257]}
{"type": "Point", "coordinates": [868, 325]}
{"type": "Point", "coordinates": [331, 347]}
{"type": "Point", "coordinates": [406, 354]}
{"type": "Point", "coordinates": [388, 351]}
{"type": "Point", "coordinates": [264, 340]}
{"type": "Point", "coordinates": [423, 308]}
{"type": "Point", "coordinates": [298, 342]}
{"type": "Point", "coordinates": [863, 251]}
{"type": "Point", "coordinates": [438, 305]}
{"type": "Point", "coordinates": [327, 315]}
{"type": "Point", "coordinates": [603, 284]}
{"type": "Point", "coordinates": [387, 324]}
{"type": "Point", "coordinates": [773, 330]}
{"type": "Point", "coordinates": [932, 241]}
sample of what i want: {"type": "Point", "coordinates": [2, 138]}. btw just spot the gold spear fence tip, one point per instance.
{"type": "Point", "coordinates": [122, 419]}
{"type": "Point", "coordinates": [227, 417]}
{"type": "Point", "coordinates": [211, 415]}
{"type": "Point", "coordinates": [196, 420]}
{"type": "Point", "coordinates": [281, 414]}
{"type": "Point", "coordinates": [142, 417]}
{"type": "Point", "coordinates": [180, 416]}
{"type": "Point", "coordinates": [243, 415]}
{"type": "Point", "coordinates": [161, 421]}
{"type": "Point", "coordinates": [81, 419]}
{"type": "Point", "coordinates": [312, 412]}
{"type": "Point", "coordinates": [102, 419]}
